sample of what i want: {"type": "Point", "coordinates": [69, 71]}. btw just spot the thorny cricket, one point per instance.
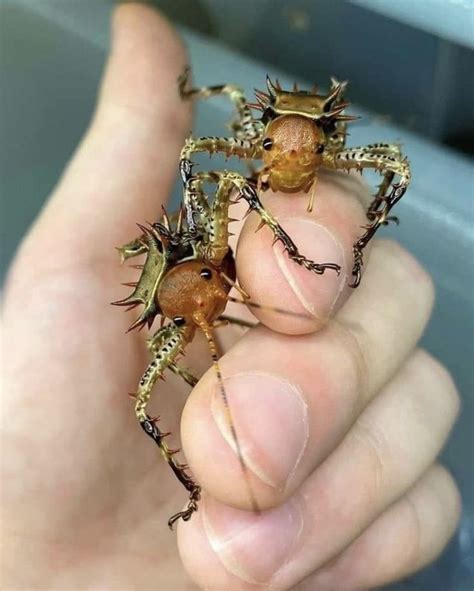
{"type": "Point", "coordinates": [298, 133]}
{"type": "Point", "coordinates": [186, 279]}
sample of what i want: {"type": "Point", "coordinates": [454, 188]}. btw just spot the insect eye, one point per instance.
{"type": "Point", "coordinates": [319, 149]}
{"type": "Point", "coordinates": [267, 143]}
{"type": "Point", "coordinates": [206, 274]}
{"type": "Point", "coordinates": [179, 321]}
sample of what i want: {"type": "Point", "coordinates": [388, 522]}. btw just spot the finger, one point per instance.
{"type": "Point", "coordinates": [394, 441]}
{"type": "Point", "coordinates": [326, 235]}
{"type": "Point", "coordinates": [294, 398]}
{"type": "Point", "coordinates": [406, 537]}
{"type": "Point", "coordinates": [124, 168]}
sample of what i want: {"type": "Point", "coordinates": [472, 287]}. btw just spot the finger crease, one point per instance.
{"type": "Point", "coordinates": [415, 551]}
{"type": "Point", "coordinates": [354, 343]}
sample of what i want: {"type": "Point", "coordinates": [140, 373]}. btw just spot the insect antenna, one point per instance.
{"type": "Point", "coordinates": [258, 306]}
{"type": "Point", "coordinates": [235, 285]}
{"type": "Point", "coordinates": [206, 329]}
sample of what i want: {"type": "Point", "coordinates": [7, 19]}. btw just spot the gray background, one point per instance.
{"type": "Point", "coordinates": [52, 54]}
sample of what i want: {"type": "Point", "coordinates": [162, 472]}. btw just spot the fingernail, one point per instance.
{"type": "Point", "coordinates": [252, 547]}
{"type": "Point", "coordinates": [317, 293]}
{"type": "Point", "coordinates": [271, 423]}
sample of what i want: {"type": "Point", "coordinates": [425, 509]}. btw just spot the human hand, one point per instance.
{"type": "Point", "coordinates": [345, 423]}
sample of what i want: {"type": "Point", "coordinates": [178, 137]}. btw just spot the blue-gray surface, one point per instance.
{"type": "Point", "coordinates": [48, 92]}
{"type": "Point", "coordinates": [449, 19]}
{"type": "Point", "coordinates": [405, 73]}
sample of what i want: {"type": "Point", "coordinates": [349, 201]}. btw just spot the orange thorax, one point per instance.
{"type": "Point", "coordinates": [290, 153]}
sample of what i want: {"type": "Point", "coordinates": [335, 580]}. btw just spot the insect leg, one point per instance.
{"type": "Point", "coordinates": [184, 373]}
{"type": "Point", "coordinates": [204, 92]}
{"type": "Point", "coordinates": [229, 146]}
{"type": "Point", "coordinates": [196, 203]}
{"type": "Point", "coordinates": [249, 193]}
{"type": "Point", "coordinates": [167, 344]}
{"type": "Point", "coordinates": [238, 321]}
{"type": "Point", "coordinates": [193, 193]}
{"type": "Point", "coordinates": [219, 220]}
{"type": "Point", "coordinates": [388, 160]}
{"type": "Point", "coordinates": [337, 138]}
{"type": "Point", "coordinates": [219, 235]}
{"type": "Point", "coordinates": [214, 219]}
{"type": "Point", "coordinates": [380, 148]}
{"type": "Point", "coordinates": [156, 343]}
{"type": "Point", "coordinates": [245, 126]}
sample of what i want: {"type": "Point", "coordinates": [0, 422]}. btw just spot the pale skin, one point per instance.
{"type": "Point", "coordinates": [341, 423]}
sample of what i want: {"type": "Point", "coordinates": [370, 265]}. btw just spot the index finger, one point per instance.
{"type": "Point", "coordinates": [325, 235]}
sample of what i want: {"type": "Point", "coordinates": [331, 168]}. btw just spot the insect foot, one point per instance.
{"type": "Point", "coordinates": [249, 193]}
{"type": "Point", "coordinates": [186, 169]}
{"type": "Point", "coordinates": [185, 515]}
{"type": "Point", "coordinates": [150, 428]}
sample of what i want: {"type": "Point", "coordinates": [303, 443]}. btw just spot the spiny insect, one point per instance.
{"type": "Point", "coordinates": [297, 133]}
{"type": "Point", "coordinates": [186, 279]}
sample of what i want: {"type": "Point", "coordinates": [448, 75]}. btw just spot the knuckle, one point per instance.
{"type": "Point", "coordinates": [375, 449]}
{"type": "Point", "coordinates": [405, 268]}
{"type": "Point", "coordinates": [433, 372]}
{"type": "Point", "coordinates": [414, 542]}
{"type": "Point", "coordinates": [450, 503]}
{"type": "Point", "coordinates": [434, 510]}
{"type": "Point", "coordinates": [361, 366]}
{"type": "Point", "coordinates": [352, 353]}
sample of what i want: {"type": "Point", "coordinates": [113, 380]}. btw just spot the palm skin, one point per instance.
{"type": "Point", "coordinates": [89, 491]}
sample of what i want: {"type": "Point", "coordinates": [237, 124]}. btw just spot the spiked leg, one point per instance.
{"type": "Point", "coordinates": [219, 234]}
{"type": "Point", "coordinates": [389, 162]}
{"type": "Point", "coordinates": [238, 321]}
{"type": "Point", "coordinates": [245, 126]}
{"type": "Point", "coordinates": [196, 205]}
{"type": "Point", "coordinates": [228, 146]}
{"type": "Point", "coordinates": [184, 373]}
{"type": "Point", "coordinates": [383, 150]}
{"type": "Point", "coordinates": [248, 192]}
{"type": "Point", "coordinates": [157, 343]}
{"type": "Point", "coordinates": [379, 148]}
{"type": "Point", "coordinates": [337, 138]}
{"type": "Point", "coordinates": [214, 220]}
{"type": "Point", "coordinates": [171, 339]}
{"type": "Point", "coordinates": [250, 195]}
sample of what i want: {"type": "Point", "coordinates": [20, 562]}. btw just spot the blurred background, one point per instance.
{"type": "Point", "coordinates": [410, 68]}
